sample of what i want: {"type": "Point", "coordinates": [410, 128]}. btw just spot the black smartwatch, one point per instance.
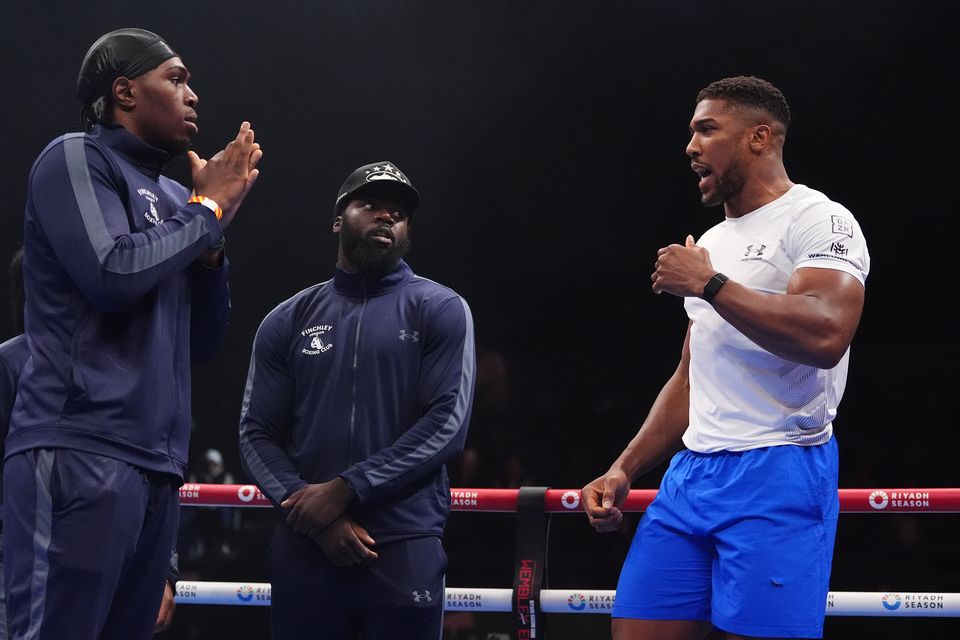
{"type": "Point", "coordinates": [713, 285]}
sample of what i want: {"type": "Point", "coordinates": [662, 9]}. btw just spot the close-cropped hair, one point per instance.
{"type": "Point", "coordinates": [751, 92]}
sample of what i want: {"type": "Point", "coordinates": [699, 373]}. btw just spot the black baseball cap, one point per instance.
{"type": "Point", "coordinates": [378, 178]}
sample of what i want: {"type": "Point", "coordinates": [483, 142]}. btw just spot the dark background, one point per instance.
{"type": "Point", "coordinates": [547, 140]}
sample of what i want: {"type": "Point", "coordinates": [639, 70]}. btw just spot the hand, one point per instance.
{"type": "Point", "coordinates": [682, 270]}
{"type": "Point", "coordinates": [229, 175]}
{"type": "Point", "coordinates": [167, 606]}
{"type": "Point", "coordinates": [602, 499]}
{"type": "Point", "coordinates": [317, 505]}
{"type": "Point", "coordinates": [346, 543]}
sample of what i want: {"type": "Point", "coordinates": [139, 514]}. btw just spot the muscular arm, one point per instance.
{"type": "Point", "coordinates": [659, 436]}
{"type": "Point", "coordinates": [812, 324]}
{"type": "Point", "coordinates": [661, 432]}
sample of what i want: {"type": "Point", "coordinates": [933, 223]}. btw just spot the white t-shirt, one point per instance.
{"type": "Point", "coordinates": [742, 396]}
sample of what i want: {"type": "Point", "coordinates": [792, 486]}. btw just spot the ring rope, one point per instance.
{"type": "Point", "coordinates": [945, 500]}
{"type": "Point", "coordinates": [839, 603]}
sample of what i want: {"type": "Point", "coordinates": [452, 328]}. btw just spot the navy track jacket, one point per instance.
{"type": "Point", "coordinates": [13, 354]}
{"type": "Point", "coordinates": [117, 304]}
{"type": "Point", "coordinates": [366, 377]}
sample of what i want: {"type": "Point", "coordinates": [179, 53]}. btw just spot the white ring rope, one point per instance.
{"type": "Point", "coordinates": [839, 603]}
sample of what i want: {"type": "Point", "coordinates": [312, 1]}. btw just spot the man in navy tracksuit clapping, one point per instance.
{"type": "Point", "coordinates": [126, 285]}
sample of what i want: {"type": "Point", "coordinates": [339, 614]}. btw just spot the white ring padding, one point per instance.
{"type": "Point", "coordinates": [839, 603]}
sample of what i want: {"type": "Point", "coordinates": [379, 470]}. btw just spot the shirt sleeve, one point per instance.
{"type": "Point", "coordinates": [77, 196]}
{"type": "Point", "coordinates": [446, 387]}
{"type": "Point", "coordinates": [266, 413]}
{"type": "Point", "coordinates": [827, 236]}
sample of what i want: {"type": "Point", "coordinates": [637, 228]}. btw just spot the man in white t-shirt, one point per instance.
{"type": "Point", "coordinates": [740, 537]}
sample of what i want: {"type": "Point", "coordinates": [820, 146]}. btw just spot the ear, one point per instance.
{"type": "Point", "coordinates": [123, 93]}
{"type": "Point", "coordinates": [336, 224]}
{"type": "Point", "coordinates": [761, 137]}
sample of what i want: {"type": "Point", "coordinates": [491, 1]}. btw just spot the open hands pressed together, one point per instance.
{"type": "Point", "coordinates": [228, 176]}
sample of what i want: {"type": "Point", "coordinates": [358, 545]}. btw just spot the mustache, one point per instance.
{"type": "Point", "coordinates": [382, 230]}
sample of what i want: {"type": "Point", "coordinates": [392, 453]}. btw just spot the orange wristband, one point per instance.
{"type": "Point", "coordinates": [207, 202]}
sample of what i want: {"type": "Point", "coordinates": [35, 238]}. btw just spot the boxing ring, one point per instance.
{"type": "Point", "coordinates": [527, 600]}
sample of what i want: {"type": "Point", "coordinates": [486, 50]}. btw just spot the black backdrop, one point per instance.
{"type": "Point", "coordinates": [547, 140]}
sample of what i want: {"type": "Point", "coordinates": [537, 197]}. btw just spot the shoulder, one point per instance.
{"type": "Point", "coordinates": [436, 295]}
{"type": "Point", "coordinates": [62, 149]}
{"type": "Point", "coordinates": [432, 289]}
{"type": "Point", "coordinates": [287, 311]}
{"type": "Point", "coordinates": [809, 201]}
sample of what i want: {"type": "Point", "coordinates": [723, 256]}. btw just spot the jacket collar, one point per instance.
{"type": "Point", "coordinates": [144, 157]}
{"type": "Point", "coordinates": [366, 285]}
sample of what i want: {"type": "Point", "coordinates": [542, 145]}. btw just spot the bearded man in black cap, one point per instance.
{"type": "Point", "coordinates": [126, 283]}
{"type": "Point", "coordinates": [359, 391]}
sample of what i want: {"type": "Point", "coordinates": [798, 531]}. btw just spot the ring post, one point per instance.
{"type": "Point", "coordinates": [530, 570]}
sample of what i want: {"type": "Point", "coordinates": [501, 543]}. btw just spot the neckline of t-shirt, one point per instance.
{"type": "Point", "coordinates": [787, 195]}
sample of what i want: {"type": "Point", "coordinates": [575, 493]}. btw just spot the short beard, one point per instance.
{"type": "Point", "coordinates": [369, 255]}
{"type": "Point", "coordinates": [729, 185]}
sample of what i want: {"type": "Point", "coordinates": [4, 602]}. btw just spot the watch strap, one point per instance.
{"type": "Point", "coordinates": [713, 286]}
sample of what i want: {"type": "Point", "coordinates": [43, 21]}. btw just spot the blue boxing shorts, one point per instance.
{"type": "Point", "coordinates": [742, 539]}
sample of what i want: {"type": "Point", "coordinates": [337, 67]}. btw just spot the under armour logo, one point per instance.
{"type": "Point", "coordinates": [422, 597]}
{"type": "Point", "coordinates": [414, 337]}
{"type": "Point", "coordinates": [754, 249]}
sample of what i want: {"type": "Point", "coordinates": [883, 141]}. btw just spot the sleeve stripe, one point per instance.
{"type": "Point", "coordinates": [455, 422]}
{"type": "Point", "coordinates": [262, 475]}
{"type": "Point", "coordinates": [123, 261]}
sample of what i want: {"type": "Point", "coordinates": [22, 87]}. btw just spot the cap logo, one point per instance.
{"type": "Point", "coordinates": [384, 172]}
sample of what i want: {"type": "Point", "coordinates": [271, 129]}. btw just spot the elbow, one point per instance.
{"type": "Point", "coordinates": [826, 361]}
{"type": "Point", "coordinates": [830, 343]}
{"type": "Point", "coordinates": [828, 353]}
